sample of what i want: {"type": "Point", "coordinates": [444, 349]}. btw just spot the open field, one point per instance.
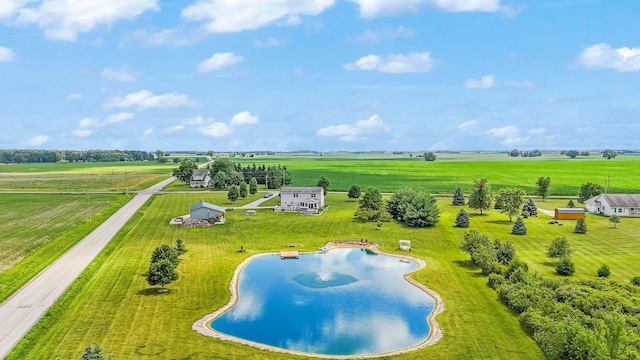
{"type": "Point", "coordinates": [111, 304]}
{"type": "Point", "coordinates": [36, 229]}
{"type": "Point", "coordinates": [71, 177]}
{"type": "Point", "coordinates": [390, 172]}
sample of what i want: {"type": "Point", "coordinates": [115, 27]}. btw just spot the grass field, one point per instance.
{"type": "Point", "coordinates": [111, 304]}
{"type": "Point", "coordinates": [392, 172]}
{"type": "Point", "coordinates": [36, 229]}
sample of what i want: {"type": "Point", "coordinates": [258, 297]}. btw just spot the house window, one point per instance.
{"type": "Point", "coordinates": [313, 195]}
{"type": "Point", "coordinates": [295, 195]}
{"type": "Point", "coordinates": [620, 210]}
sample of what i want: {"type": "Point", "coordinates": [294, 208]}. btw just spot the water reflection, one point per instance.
{"type": "Point", "coordinates": [368, 308]}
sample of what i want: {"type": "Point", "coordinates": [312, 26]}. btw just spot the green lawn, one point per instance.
{"type": "Point", "coordinates": [36, 229]}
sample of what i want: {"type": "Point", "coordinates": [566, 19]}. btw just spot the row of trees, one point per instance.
{"type": "Point", "coordinates": [532, 153]}
{"type": "Point", "coordinates": [414, 207]}
{"type": "Point", "coordinates": [568, 319]}
{"type": "Point", "coordinates": [52, 156]}
{"type": "Point", "coordinates": [164, 262]}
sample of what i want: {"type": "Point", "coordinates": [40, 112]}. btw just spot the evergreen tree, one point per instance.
{"type": "Point", "coordinates": [233, 193]}
{"type": "Point", "coordinates": [581, 226]}
{"type": "Point", "coordinates": [462, 219]}
{"type": "Point", "coordinates": [458, 197]}
{"type": "Point", "coordinates": [253, 185]}
{"type": "Point", "coordinates": [497, 205]}
{"type": "Point", "coordinates": [481, 196]}
{"type": "Point", "coordinates": [565, 266]}
{"type": "Point", "coordinates": [354, 192]}
{"type": "Point", "coordinates": [530, 207]}
{"type": "Point", "coordinates": [518, 227]}
{"type": "Point", "coordinates": [243, 190]}
{"type": "Point", "coordinates": [604, 271]}
{"type": "Point", "coordinates": [570, 204]}
{"type": "Point", "coordinates": [180, 248]}
{"type": "Point", "coordinates": [95, 353]}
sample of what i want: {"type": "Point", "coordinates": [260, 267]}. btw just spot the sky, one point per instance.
{"type": "Point", "coordinates": [323, 75]}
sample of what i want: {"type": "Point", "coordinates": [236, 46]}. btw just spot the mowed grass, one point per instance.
{"type": "Point", "coordinates": [393, 172]}
{"type": "Point", "coordinates": [112, 305]}
{"type": "Point", "coordinates": [79, 177]}
{"type": "Point", "coordinates": [36, 229]}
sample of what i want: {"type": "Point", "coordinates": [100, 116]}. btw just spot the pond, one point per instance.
{"type": "Point", "coordinates": [345, 301]}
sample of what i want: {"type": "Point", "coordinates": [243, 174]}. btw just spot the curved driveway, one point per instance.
{"type": "Point", "coordinates": [24, 308]}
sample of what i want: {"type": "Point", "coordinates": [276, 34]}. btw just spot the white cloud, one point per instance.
{"type": "Point", "coordinates": [485, 82]}
{"type": "Point", "coordinates": [466, 125]}
{"type": "Point", "coordinates": [144, 99]}
{"type": "Point", "coordinates": [218, 61]}
{"type": "Point", "coordinates": [217, 129]}
{"type": "Point", "coordinates": [506, 131]}
{"type": "Point", "coordinates": [603, 56]}
{"type": "Point", "coordinates": [376, 8]}
{"type": "Point", "coordinates": [74, 96]}
{"type": "Point", "coordinates": [395, 63]}
{"type": "Point", "coordinates": [238, 15]}
{"type": "Point", "coordinates": [356, 131]}
{"type": "Point", "coordinates": [81, 132]}
{"type": "Point", "coordinates": [269, 42]}
{"type": "Point", "coordinates": [244, 118]}
{"type": "Point", "coordinates": [119, 117]}
{"type": "Point", "coordinates": [198, 120]}
{"type": "Point", "coordinates": [9, 7]}
{"type": "Point", "coordinates": [88, 123]}
{"type": "Point", "coordinates": [6, 54]}
{"type": "Point", "coordinates": [148, 132]}
{"type": "Point", "coordinates": [378, 36]}
{"type": "Point", "coordinates": [172, 129]}
{"type": "Point", "coordinates": [64, 19]}
{"type": "Point", "coordinates": [515, 140]}
{"type": "Point", "coordinates": [172, 37]}
{"type": "Point", "coordinates": [37, 140]}
{"type": "Point", "coordinates": [122, 74]}
{"type": "Point", "coordinates": [537, 131]}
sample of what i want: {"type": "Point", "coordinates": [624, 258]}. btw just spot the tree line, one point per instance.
{"type": "Point", "coordinates": [15, 156]}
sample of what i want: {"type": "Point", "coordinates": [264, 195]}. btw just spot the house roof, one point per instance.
{"type": "Point", "coordinates": [570, 210]}
{"type": "Point", "coordinates": [299, 189]}
{"type": "Point", "coordinates": [199, 174]}
{"type": "Point", "coordinates": [206, 205]}
{"type": "Point", "coordinates": [619, 200]}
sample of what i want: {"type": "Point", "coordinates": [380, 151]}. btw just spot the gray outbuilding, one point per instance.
{"type": "Point", "coordinates": [205, 211]}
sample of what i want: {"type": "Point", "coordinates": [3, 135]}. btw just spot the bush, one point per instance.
{"type": "Point", "coordinates": [636, 281]}
{"type": "Point", "coordinates": [495, 280]}
{"type": "Point", "coordinates": [604, 271]}
{"type": "Point", "coordinates": [519, 228]}
{"type": "Point", "coordinates": [565, 266]}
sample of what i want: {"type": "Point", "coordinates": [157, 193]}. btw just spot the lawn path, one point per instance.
{"type": "Point", "coordinates": [24, 308]}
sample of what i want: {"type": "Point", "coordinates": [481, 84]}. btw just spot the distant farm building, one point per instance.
{"type": "Point", "coordinates": [305, 199]}
{"type": "Point", "coordinates": [200, 178]}
{"type": "Point", "coordinates": [209, 212]}
{"type": "Point", "coordinates": [614, 204]}
{"type": "Point", "coordinates": [569, 213]}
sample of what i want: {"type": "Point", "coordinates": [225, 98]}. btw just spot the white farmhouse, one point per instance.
{"type": "Point", "coordinates": [200, 178]}
{"type": "Point", "coordinates": [299, 198]}
{"type": "Point", "coordinates": [614, 204]}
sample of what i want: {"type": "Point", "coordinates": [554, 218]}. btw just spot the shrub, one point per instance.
{"type": "Point", "coordinates": [565, 266]}
{"type": "Point", "coordinates": [519, 228]}
{"type": "Point", "coordinates": [495, 280]}
{"type": "Point", "coordinates": [636, 281]}
{"type": "Point", "coordinates": [604, 271]}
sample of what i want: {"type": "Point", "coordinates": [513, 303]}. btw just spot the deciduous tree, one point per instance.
{"type": "Point", "coordinates": [565, 266]}
{"type": "Point", "coordinates": [588, 191]}
{"type": "Point", "coordinates": [165, 252]}
{"type": "Point", "coordinates": [324, 183]}
{"type": "Point", "coordinates": [609, 154]}
{"type": "Point", "coordinates": [481, 196]}
{"type": "Point", "coordinates": [161, 273]}
{"type": "Point", "coordinates": [95, 353]}
{"type": "Point", "coordinates": [511, 200]}
{"type": "Point", "coordinates": [542, 186]}
{"type": "Point", "coordinates": [253, 186]}
{"type": "Point", "coordinates": [180, 248]}
{"type": "Point", "coordinates": [354, 192]}
{"type": "Point", "coordinates": [615, 220]}
{"type": "Point", "coordinates": [233, 193]}
{"type": "Point", "coordinates": [429, 156]}
{"type": "Point", "coordinates": [559, 248]}
{"type": "Point", "coordinates": [185, 170]}
{"type": "Point", "coordinates": [243, 190]}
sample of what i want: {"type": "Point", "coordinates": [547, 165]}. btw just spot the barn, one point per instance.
{"type": "Point", "coordinates": [569, 213]}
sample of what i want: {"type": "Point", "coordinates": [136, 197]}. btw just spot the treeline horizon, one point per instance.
{"type": "Point", "coordinates": [16, 156]}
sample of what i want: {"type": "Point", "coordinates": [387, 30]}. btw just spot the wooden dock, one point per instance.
{"type": "Point", "coordinates": [289, 254]}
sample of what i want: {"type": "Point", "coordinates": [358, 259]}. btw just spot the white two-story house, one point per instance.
{"type": "Point", "coordinates": [296, 198]}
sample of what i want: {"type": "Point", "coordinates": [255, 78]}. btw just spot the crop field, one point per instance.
{"type": "Point", "coordinates": [112, 305]}
{"type": "Point", "coordinates": [80, 177]}
{"type": "Point", "coordinates": [36, 229]}
{"type": "Point", "coordinates": [390, 172]}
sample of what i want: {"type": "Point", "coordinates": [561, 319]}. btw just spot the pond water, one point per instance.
{"type": "Point", "coordinates": [342, 302]}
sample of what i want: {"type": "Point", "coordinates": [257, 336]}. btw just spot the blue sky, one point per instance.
{"type": "Point", "coordinates": [325, 75]}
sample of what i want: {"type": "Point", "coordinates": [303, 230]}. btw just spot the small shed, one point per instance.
{"type": "Point", "coordinates": [206, 211]}
{"type": "Point", "coordinates": [569, 213]}
{"type": "Point", "coordinates": [404, 245]}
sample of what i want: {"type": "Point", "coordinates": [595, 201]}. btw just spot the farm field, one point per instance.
{"type": "Point", "coordinates": [81, 177]}
{"type": "Point", "coordinates": [390, 172]}
{"type": "Point", "coordinates": [35, 229]}
{"type": "Point", "coordinates": [112, 305]}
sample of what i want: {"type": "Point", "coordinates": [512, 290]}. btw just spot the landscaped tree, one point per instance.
{"type": "Point", "coordinates": [542, 186]}
{"type": "Point", "coordinates": [518, 227]}
{"type": "Point", "coordinates": [354, 192]}
{"type": "Point", "coordinates": [253, 186]}
{"type": "Point", "coordinates": [165, 252]}
{"type": "Point", "coordinates": [429, 156]}
{"type": "Point", "coordinates": [588, 191]}
{"type": "Point", "coordinates": [565, 266]}
{"type": "Point", "coordinates": [220, 180]}
{"type": "Point", "coordinates": [415, 208]}
{"type": "Point", "coordinates": [511, 200]}
{"type": "Point", "coordinates": [324, 183]}
{"type": "Point", "coordinates": [243, 190]}
{"type": "Point", "coordinates": [572, 153]}
{"type": "Point", "coordinates": [185, 170]}
{"type": "Point", "coordinates": [233, 193]}
{"type": "Point", "coordinates": [615, 220]}
{"type": "Point", "coordinates": [609, 154]}
{"type": "Point", "coordinates": [530, 207]}
{"type": "Point", "coordinates": [604, 271]}
{"type": "Point", "coordinates": [481, 196]}
{"type": "Point", "coordinates": [514, 153]}
{"type": "Point", "coordinates": [180, 248]}
{"type": "Point", "coordinates": [370, 207]}
{"type": "Point", "coordinates": [581, 226]}
{"type": "Point", "coordinates": [559, 248]}
{"type": "Point", "coordinates": [458, 197]}
{"type": "Point", "coordinates": [505, 251]}
{"type": "Point", "coordinates": [95, 352]}
{"type": "Point", "coordinates": [570, 204]}
{"type": "Point", "coordinates": [161, 273]}
{"type": "Point", "coordinates": [462, 219]}
{"type": "Point", "coordinates": [473, 240]}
